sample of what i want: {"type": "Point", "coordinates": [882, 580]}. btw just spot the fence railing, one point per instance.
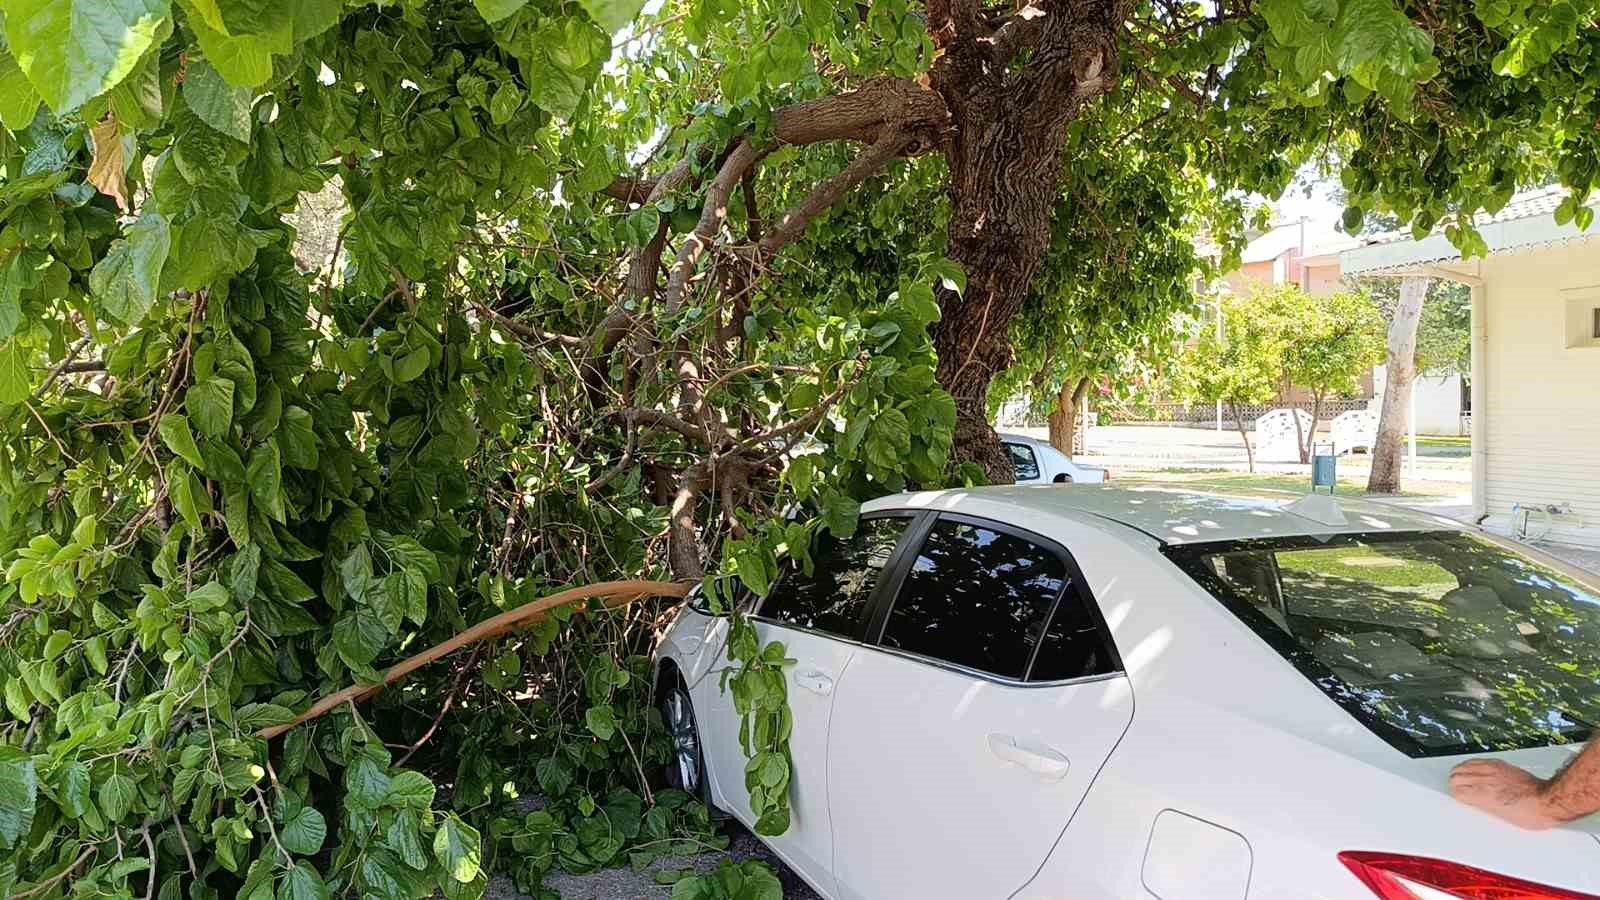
{"type": "Point", "coordinates": [1201, 414]}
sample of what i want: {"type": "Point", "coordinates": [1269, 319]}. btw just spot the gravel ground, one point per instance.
{"type": "Point", "coordinates": [626, 884]}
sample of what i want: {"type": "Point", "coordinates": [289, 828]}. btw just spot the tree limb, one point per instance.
{"type": "Point", "coordinates": [712, 214]}
{"type": "Point", "coordinates": [614, 593]}
{"type": "Point", "coordinates": [659, 419]}
{"type": "Point", "coordinates": [794, 221]}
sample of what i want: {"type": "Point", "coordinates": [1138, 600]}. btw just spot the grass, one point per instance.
{"type": "Point", "coordinates": [1241, 482]}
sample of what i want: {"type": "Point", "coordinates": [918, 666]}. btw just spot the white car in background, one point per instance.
{"type": "Point", "coordinates": [1036, 462]}
{"type": "Point", "coordinates": [1118, 694]}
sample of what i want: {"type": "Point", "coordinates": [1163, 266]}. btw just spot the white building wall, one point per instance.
{"type": "Point", "coordinates": [1542, 417]}
{"type": "Point", "coordinates": [1438, 401]}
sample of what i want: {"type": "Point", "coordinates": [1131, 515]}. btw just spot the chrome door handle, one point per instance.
{"type": "Point", "coordinates": [1040, 760]}
{"type": "Point", "coordinates": [814, 681]}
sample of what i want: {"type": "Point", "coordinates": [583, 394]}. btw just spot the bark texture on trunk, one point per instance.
{"type": "Point", "coordinates": [1004, 155]}
{"type": "Point", "coordinates": [1064, 417]}
{"type": "Point", "coordinates": [1395, 419]}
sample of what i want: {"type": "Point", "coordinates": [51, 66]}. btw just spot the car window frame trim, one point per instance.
{"type": "Point", "coordinates": [880, 618]}
{"type": "Point", "coordinates": [914, 519]}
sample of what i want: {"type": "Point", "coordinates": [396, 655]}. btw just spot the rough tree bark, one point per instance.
{"type": "Point", "coordinates": [1064, 418]}
{"type": "Point", "coordinates": [1395, 419]}
{"type": "Point", "coordinates": [1004, 155]}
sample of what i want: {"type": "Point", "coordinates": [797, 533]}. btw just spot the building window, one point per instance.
{"type": "Point", "coordinates": [1597, 323]}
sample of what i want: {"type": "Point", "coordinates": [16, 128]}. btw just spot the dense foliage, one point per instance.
{"type": "Point", "coordinates": [607, 299]}
{"type": "Point", "coordinates": [231, 484]}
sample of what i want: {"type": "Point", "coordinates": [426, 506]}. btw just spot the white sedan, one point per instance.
{"type": "Point", "coordinates": [1025, 692]}
{"type": "Point", "coordinates": [1037, 462]}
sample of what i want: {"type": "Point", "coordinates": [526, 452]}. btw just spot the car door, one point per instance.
{"type": "Point", "coordinates": [967, 731]}
{"type": "Point", "coordinates": [820, 618]}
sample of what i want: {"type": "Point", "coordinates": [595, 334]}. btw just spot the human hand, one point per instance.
{"type": "Point", "coordinates": [1504, 791]}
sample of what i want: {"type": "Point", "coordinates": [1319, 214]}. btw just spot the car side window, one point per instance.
{"type": "Point", "coordinates": [1074, 646]}
{"type": "Point", "coordinates": [976, 597]}
{"type": "Point", "coordinates": [730, 595]}
{"type": "Point", "coordinates": [834, 597]}
{"type": "Point", "coordinates": [1023, 461]}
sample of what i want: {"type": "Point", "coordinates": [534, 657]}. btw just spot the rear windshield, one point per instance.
{"type": "Point", "coordinates": [1441, 642]}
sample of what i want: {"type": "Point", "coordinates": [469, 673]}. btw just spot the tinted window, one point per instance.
{"type": "Point", "coordinates": [834, 596]}
{"type": "Point", "coordinates": [1023, 461]}
{"type": "Point", "coordinates": [1442, 643]}
{"type": "Point", "coordinates": [1074, 645]}
{"type": "Point", "coordinates": [977, 598]}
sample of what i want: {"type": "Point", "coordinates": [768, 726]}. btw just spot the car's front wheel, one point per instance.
{"type": "Point", "coordinates": [687, 771]}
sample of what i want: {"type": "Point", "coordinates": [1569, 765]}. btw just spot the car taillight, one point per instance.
{"type": "Point", "coordinates": [1395, 877]}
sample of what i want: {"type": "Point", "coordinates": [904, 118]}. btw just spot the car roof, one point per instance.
{"type": "Point", "coordinates": [1013, 438]}
{"type": "Point", "coordinates": [1170, 515]}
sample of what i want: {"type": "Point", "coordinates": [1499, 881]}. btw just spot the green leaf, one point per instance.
{"type": "Point", "coordinates": [839, 515]}
{"type": "Point", "coordinates": [457, 846]}
{"type": "Point", "coordinates": [57, 641]}
{"type": "Point", "coordinates": [503, 107]}
{"type": "Point", "coordinates": [411, 790]}
{"type": "Point", "coordinates": [75, 50]}
{"type": "Point", "coordinates": [258, 881]}
{"type": "Point", "coordinates": [612, 15]}
{"type": "Point", "coordinates": [18, 100]}
{"type": "Point", "coordinates": [405, 839]}
{"type": "Point", "coordinates": [16, 376]}
{"type": "Point", "coordinates": [219, 104]}
{"type": "Point", "coordinates": [19, 792]}
{"type": "Point", "coordinates": [303, 883]}
{"type": "Point", "coordinates": [126, 279]}
{"type": "Point", "coordinates": [117, 794]}
{"type": "Point", "coordinates": [313, 17]}
{"type": "Point", "coordinates": [413, 364]}
{"type": "Point", "coordinates": [180, 487]}
{"type": "Point", "coordinates": [298, 439]}
{"type": "Point", "coordinates": [175, 433]}
{"type": "Point", "coordinates": [74, 790]}
{"type": "Point", "coordinates": [265, 474]}
{"type": "Point", "coordinates": [244, 61]}
{"type": "Point", "coordinates": [359, 637]}
{"type": "Point", "coordinates": [304, 832]}
{"type": "Point", "coordinates": [602, 722]}
{"type": "Point", "coordinates": [211, 404]}
{"type": "Point", "coordinates": [495, 10]}
{"type": "Point", "coordinates": [366, 784]}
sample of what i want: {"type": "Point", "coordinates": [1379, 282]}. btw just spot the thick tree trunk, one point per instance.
{"type": "Point", "coordinates": [1004, 155]}
{"type": "Point", "coordinates": [1238, 421]}
{"type": "Point", "coordinates": [1064, 417]}
{"type": "Point", "coordinates": [1395, 419]}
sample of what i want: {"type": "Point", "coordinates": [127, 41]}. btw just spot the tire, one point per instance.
{"type": "Point", "coordinates": [687, 771]}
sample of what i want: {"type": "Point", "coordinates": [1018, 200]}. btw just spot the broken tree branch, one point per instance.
{"type": "Point", "coordinates": [614, 593]}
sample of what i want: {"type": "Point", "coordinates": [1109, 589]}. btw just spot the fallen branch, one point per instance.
{"type": "Point", "coordinates": [616, 593]}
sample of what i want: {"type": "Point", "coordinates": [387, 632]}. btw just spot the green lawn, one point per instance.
{"type": "Point", "coordinates": [1445, 446]}
{"type": "Point", "coordinates": [1241, 482]}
